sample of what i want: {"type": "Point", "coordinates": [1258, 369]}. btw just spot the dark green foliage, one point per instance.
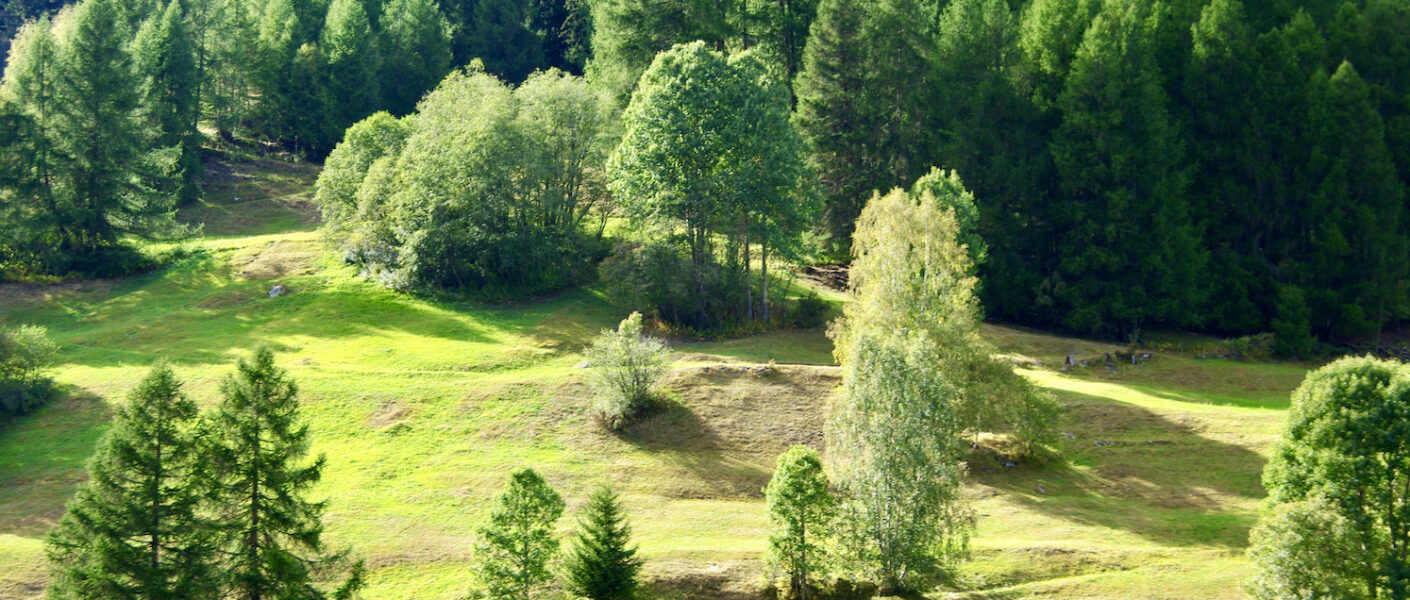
{"type": "Point", "coordinates": [1130, 254]}
{"type": "Point", "coordinates": [349, 70]}
{"type": "Point", "coordinates": [519, 540]}
{"type": "Point", "coordinates": [1292, 329]}
{"type": "Point", "coordinates": [564, 28]}
{"type": "Point", "coordinates": [415, 55]}
{"type": "Point", "coordinates": [166, 60]}
{"type": "Point", "coordinates": [109, 181]}
{"type": "Point", "coordinates": [780, 29]}
{"type": "Point", "coordinates": [601, 564]}
{"type": "Point", "coordinates": [136, 529]}
{"type": "Point", "coordinates": [628, 34]}
{"type": "Point", "coordinates": [25, 355]}
{"type": "Point", "coordinates": [1345, 451]}
{"type": "Point", "coordinates": [868, 128]}
{"type": "Point", "coordinates": [272, 534]}
{"type": "Point", "coordinates": [503, 40]}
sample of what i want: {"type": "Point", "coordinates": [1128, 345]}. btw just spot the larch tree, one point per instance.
{"type": "Point", "coordinates": [111, 178]}
{"type": "Point", "coordinates": [516, 545]}
{"type": "Point", "coordinates": [137, 528]}
{"type": "Point", "coordinates": [166, 61]}
{"type": "Point", "coordinates": [503, 40]}
{"type": "Point", "coordinates": [1130, 253]}
{"type": "Point", "coordinates": [348, 50]}
{"type": "Point", "coordinates": [28, 93]}
{"type": "Point", "coordinates": [272, 534]}
{"type": "Point", "coordinates": [416, 52]}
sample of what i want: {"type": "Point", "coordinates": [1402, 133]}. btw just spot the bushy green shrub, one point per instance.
{"type": "Point", "coordinates": [25, 353]}
{"type": "Point", "coordinates": [627, 367]}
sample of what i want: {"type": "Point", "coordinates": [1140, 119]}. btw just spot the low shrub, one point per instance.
{"type": "Point", "coordinates": [627, 366]}
{"type": "Point", "coordinates": [26, 352]}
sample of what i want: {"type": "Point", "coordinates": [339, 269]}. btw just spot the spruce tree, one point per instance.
{"type": "Point", "coordinates": [833, 117]}
{"type": "Point", "coordinates": [136, 529]}
{"type": "Point", "coordinates": [416, 52]}
{"type": "Point", "coordinates": [1129, 254]}
{"type": "Point", "coordinates": [517, 543]}
{"type": "Point", "coordinates": [113, 174]}
{"type": "Point", "coordinates": [29, 211]}
{"type": "Point", "coordinates": [273, 545]}
{"type": "Point", "coordinates": [349, 69]}
{"type": "Point", "coordinates": [503, 40]}
{"type": "Point", "coordinates": [564, 28]}
{"type": "Point", "coordinates": [601, 566]}
{"type": "Point", "coordinates": [166, 61]}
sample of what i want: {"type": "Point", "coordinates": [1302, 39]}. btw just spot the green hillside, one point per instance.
{"type": "Point", "coordinates": [423, 407]}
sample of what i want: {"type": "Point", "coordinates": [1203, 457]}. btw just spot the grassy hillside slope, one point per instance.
{"type": "Point", "coordinates": [423, 408]}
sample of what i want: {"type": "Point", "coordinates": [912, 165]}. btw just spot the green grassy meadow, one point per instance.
{"type": "Point", "coordinates": [422, 408]}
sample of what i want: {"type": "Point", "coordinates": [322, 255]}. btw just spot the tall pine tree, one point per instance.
{"type": "Point", "coordinates": [601, 564]}
{"type": "Point", "coordinates": [136, 529]}
{"type": "Point", "coordinates": [166, 60]}
{"type": "Point", "coordinates": [503, 40]}
{"type": "Point", "coordinates": [416, 52]}
{"type": "Point", "coordinates": [112, 176]}
{"type": "Point", "coordinates": [1129, 254]}
{"type": "Point", "coordinates": [349, 53]}
{"type": "Point", "coordinates": [273, 533]}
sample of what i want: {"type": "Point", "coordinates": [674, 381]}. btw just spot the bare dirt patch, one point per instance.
{"type": "Point", "coordinates": [35, 293]}
{"type": "Point", "coordinates": [276, 259]}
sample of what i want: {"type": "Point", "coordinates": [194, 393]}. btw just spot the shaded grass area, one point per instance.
{"type": "Point", "coordinates": [423, 407]}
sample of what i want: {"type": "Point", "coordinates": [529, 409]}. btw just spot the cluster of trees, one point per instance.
{"type": "Point", "coordinates": [26, 352]}
{"type": "Point", "coordinates": [1191, 163]}
{"type": "Point", "coordinates": [916, 377]}
{"type": "Point", "coordinates": [184, 505]}
{"type": "Point", "coordinates": [485, 189]}
{"type": "Point", "coordinates": [1337, 520]}
{"type": "Point", "coordinates": [518, 545]}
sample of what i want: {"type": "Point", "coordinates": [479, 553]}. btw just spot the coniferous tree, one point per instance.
{"type": "Point", "coordinates": [601, 564]}
{"type": "Point", "coordinates": [275, 50]}
{"type": "Point", "coordinates": [503, 40]}
{"type": "Point", "coordinates": [801, 509]}
{"type": "Point", "coordinates": [112, 176]}
{"type": "Point", "coordinates": [416, 52]}
{"type": "Point", "coordinates": [628, 34]}
{"type": "Point", "coordinates": [564, 28]}
{"type": "Point", "coordinates": [136, 529]}
{"type": "Point", "coordinates": [273, 545]}
{"type": "Point", "coordinates": [349, 69]}
{"type": "Point", "coordinates": [517, 543]}
{"type": "Point", "coordinates": [34, 221]}
{"type": "Point", "coordinates": [166, 61]}
{"type": "Point", "coordinates": [1129, 252]}
{"type": "Point", "coordinates": [832, 114]}
{"type": "Point", "coordinates": [232, 65]}
{"type": "Point", "coordinates": [781, 30]}
{"type": "Point", "coordinates": [1356, 266]}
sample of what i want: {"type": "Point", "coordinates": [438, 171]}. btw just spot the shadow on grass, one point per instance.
{"type": "Point", "coordinates": [195, 312]}
{"type": "Point", "coordinates": [43, 458]}
{"type": "Point", "coordinates": [680, 438]}
{"type": "Point", "coordinates": [1135, 470]}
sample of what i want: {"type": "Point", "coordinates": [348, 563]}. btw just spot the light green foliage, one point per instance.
{"type": "Point", "coordinates": [1338, 514]}
{"type": "Point", "coordinates": [946, 188]}
{"type": "Point", "coordinates": [894, 435]}
{"type": "Point", "coordinates": [708, 151]}
{"type": "Point", "coordinates": [26, 354]}
{"type": "Point", "coordinates": [1299, 550]}
{"type": "Point", "coordinates": [273, 545]}
{"type": "Point", "coordinates": [378, 139]}
{"type": "Point", "coordinates": [517, 543]}
{"type": "Point", "coordinates": [349, 51]}
{"type": "Point", "coordinates": [781, 28]}
{"type": "Point", "coordinates": [627, 366]}
{"type": "Point", "coordinates": [602, 565]}
{"type": "Point", "coordinates": [415, 52]}
{"type": "Point", "coordinates": [801, 509]}
{"type": "Point", "coordinates": [166, 62]}
{"type": "Point", "coordinates": [489, 200]}
{"type": "Point", "coordinates": [137, 527]}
